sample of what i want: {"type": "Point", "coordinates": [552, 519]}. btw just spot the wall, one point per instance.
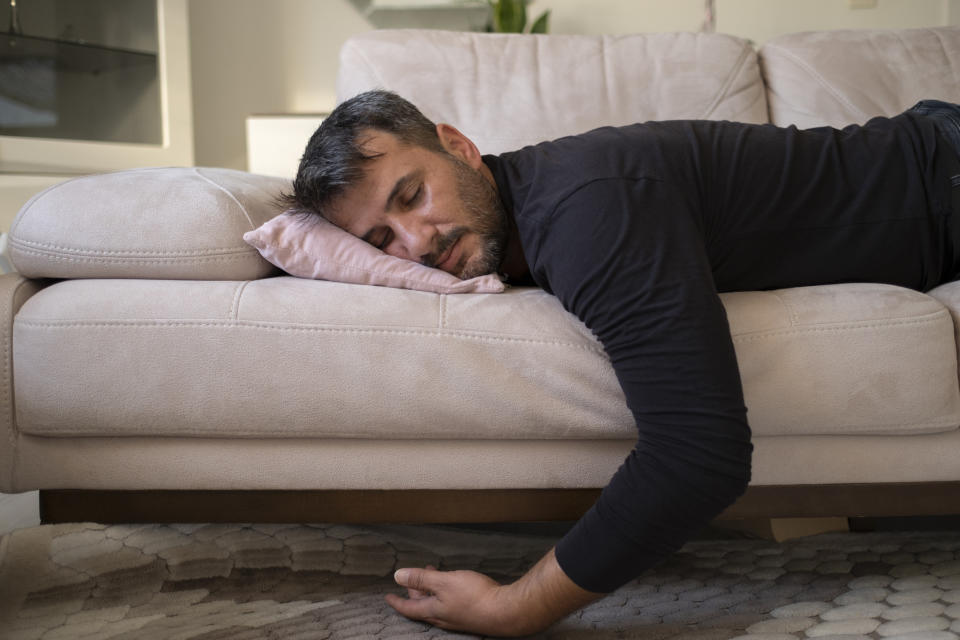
{"type": "Point", "coordinates": [760, 20]}
{"type": "Point", "coordinates": [261, 56]}
{"type": "Point", "coordinates": [617, 16]}
{"type": "Point", "coordinates": [757, 20]}
{"type": "Point", "coordinates": [270, 56]}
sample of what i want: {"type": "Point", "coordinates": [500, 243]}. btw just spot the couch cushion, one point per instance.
{"type": "Point", "coordinates": [949, 296]}
{"type": "Point", "coordinates": [838, 78]}
{"type": "Point", "coordinates": [147, 223]}
{"type": "Point", "coordinates": [845, 359]}
{"type": "Point", "coordinates": [285, 357]}
{"type": "Point", "coordinates": [506, 91]}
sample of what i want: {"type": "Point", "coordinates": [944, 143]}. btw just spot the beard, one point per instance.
{"type": "Point", "coordinates": [486, 218]}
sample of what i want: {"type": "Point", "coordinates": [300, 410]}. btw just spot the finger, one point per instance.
{"type": "Point", "coordinates": [420, 609]}
{"type": "Point", "coordinates": [423, 580]}
{"type": "Point", "coordinates": [416, 593]}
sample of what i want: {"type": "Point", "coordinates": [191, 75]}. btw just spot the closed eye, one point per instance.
{"type": "Point", "coordinates": [384, 240]}
{"type": "Point", "coordinates": [379, 237]}
{"type": "Point", "coordinates": [412, 200]}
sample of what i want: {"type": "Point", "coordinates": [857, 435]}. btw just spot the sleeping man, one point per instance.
{"type": "Point", "coordinates": [635, 230]}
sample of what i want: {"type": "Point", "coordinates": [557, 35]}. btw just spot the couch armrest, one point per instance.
{"type": "Point", "coordinates": [14, 291]}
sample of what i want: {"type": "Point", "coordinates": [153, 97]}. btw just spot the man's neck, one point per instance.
{"type": "Point", "coordinates": [514, 264]}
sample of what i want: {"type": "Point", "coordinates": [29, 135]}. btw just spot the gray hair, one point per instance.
{"type": "Point", "coordinates": [334, 157]}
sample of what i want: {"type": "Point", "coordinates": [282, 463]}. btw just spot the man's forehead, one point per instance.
{"type": "Point", "coordinates": [373, 142]}
{"type": "Point", "coordinates": [376, 178]}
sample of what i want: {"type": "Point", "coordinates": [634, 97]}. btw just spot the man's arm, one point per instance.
{"type": "Point", "coordinates": [628, 259]}
{"type": "Point", "coordinates": [470, 601]}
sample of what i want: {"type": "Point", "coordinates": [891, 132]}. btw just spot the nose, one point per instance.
{"type": "Point", "coordinates": [414, 238]}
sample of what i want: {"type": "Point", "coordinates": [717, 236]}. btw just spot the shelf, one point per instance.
{"type": "Point", "coordinates": [70, 56]}
{"type": "Point", "coordinates": [460, 15]}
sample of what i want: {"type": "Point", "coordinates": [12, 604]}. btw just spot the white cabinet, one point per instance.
{"type": "Point", "coordinates": [276, 142]}
{"type": "Point", "coordinates": [104, 86]}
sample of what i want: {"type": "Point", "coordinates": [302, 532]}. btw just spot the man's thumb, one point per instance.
{"type": "Point", "coordinates": [418, 579]}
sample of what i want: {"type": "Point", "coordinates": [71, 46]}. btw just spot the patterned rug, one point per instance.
{"type": "Point", "coordinates": [292, 582]}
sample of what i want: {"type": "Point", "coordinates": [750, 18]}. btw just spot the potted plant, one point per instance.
{"type": "Point", "coordinates": [510, 16]}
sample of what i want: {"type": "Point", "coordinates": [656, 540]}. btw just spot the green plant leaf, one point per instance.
{"type": "Point", "coordinates": [542, 23]}
{"type": "Point", "coordinates": [509, 16]}
{"type": "Point", "coordinates": [521, 16]}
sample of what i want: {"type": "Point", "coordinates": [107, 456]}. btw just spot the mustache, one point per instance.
{"type": "Point", "coordinates": [443, 244]}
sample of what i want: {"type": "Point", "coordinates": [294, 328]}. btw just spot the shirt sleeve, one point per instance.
{"type": "Point", "coordinates": [627, 257]}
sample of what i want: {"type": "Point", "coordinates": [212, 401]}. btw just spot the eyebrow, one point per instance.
{"type": "Point", "coordinates": [399, 186]}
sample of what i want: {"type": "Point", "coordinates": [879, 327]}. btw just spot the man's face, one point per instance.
{"type": "Point", "coordinates": [425, 206]}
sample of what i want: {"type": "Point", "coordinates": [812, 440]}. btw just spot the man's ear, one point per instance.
{"type": "Point", "coordinates": [459, 145]}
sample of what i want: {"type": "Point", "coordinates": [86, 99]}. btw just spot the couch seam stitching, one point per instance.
{"type": "Point", "coordinates": [243, 209]}
{"type": "Point", "coordinates": [791, 312]}
{"type": "Point", "coordinates": [819, 79]}
{"type": "Point", "coordinates": [869, 430]}
{"type": "Point", "coordinates": [234, 313]}
{"type": "Point", "coordinates": [145, 260]}
{"type": "Point", "coordinates": [32, 245]}
{"type": "Point", "coordinates": [936, 317]}
{"type": "Point", "coordinates": [872, 429]}
{"type": "Point", "coordinates": [246, 324]}
{"type": "Point", "coordinates": [728, 81]}
{"type": "Point", "coordinates": [30, 204]}
{"type": "Point", "coordinates": [53, 324]}
{"type": "Point", "coordinates": [747, 107]}
{"type": "Point", "coordinates": [332, 435]}
{"type": "Point", "coordinates": [8, 391]}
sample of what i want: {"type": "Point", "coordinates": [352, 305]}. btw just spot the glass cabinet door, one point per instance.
{"type": "Point", "coordinates": [81, 69]}
{"type": "Point", "coordinates": [89, 85]}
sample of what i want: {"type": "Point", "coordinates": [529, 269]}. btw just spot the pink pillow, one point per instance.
{"type": "Point", "coordinates": [314, 248]}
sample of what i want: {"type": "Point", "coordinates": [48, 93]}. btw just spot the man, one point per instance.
{"type": "Point", "coordinates": [635, 230]}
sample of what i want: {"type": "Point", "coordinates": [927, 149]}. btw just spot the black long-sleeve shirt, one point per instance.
{"type": "Point", "coordinates": [636, 229]}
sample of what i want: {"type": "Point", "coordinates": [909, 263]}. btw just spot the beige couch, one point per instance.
{"type": "Point", "coordinates": [156, 368]}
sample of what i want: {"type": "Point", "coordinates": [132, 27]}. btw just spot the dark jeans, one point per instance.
{"type": "Point", "coordinates": [947, 118]}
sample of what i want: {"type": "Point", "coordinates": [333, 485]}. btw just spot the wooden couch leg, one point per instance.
{"type": "Point", "coordinates": [780, 529]}
{"type": "Point", "coordinates": [788, 528]}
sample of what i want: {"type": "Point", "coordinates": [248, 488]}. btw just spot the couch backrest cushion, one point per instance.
{"type": "Point", "coordinates": [147, 223]}
{"type": "Point", "coordinates": [507, 91]}
{"type": "Point", "coordinates": [838, 78]}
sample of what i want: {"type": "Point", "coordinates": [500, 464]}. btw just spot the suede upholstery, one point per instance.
{"type": "Point", "coordinates": [838, 78]}
{"type": "Point", "coordinates": [285, 358]}
{"type": "Point", "coordinates": [505, 92]}
{"type": "Point", "coordinates": [172, 356]}
{"type": "Point", "coordinates": [146, 223]}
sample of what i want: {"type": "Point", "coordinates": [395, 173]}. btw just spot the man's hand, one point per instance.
{"type": "Point", "coordinates": [470, 601]}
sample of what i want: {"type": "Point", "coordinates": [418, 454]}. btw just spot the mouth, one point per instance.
{"type": "Point", "coordinates": [448, 261]}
